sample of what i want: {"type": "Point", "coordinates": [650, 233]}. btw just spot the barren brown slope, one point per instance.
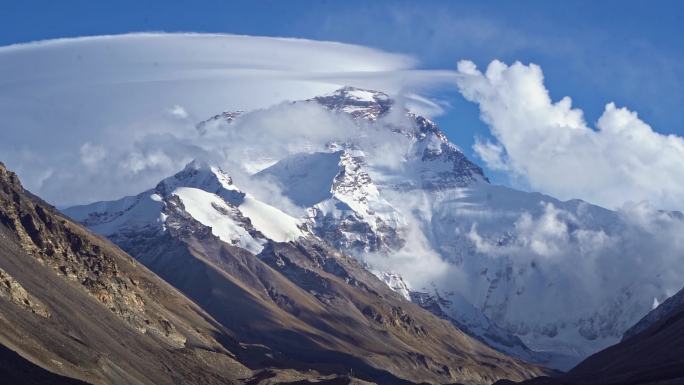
{"type": "Point", "coordinates": [76, 309]}
{"type": "Point", "coordinates": [77, 305]}
{"type": "Point", "coordinates": [316, 307]}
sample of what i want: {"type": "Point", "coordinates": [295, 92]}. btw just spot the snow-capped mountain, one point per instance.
{"type": "Point", "coordinates": [265, 276]}
{"type": "Point", "coordinates": [430, 161]}
{"type": "Point", "coordinates": [524, 272]}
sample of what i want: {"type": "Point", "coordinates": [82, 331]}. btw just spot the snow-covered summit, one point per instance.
{"type": "Point", "coordinates": [205, 176]}
{"type": "Point", "coordinates": [224, 117]}
{"type": "Point", "coordinates": [359, 103]}
{"type": "Point", "coordinates": [430, 160]}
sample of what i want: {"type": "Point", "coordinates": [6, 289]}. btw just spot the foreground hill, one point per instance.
{"type": "Point", "coordinates": [78, 306]}
{"type": "Point", "coordinates": [75, 309]}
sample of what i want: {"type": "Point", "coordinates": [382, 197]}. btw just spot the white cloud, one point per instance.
{"type": "Point", "coordinates": [133, 99]}
{"type": "Point", "coordinates": [579, 267]}
{"type": "Point", "coordinates": [551, 147]}
{"type": "Point", "coordinates": [416, 263]}
{"type": "Point", "coordinates": [272, 133]}
{"type": "Point", "coordinates": [493, 154]}
{"type": "Point", "coordinates": [179, 112]}
{"type": "Point", "coordinates": [92, 154]}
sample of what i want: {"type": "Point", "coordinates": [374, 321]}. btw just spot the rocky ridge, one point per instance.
{"type": "Point", "coordinates": [298, 295]}
{"type": "Point", "coordinates": [75, 309]}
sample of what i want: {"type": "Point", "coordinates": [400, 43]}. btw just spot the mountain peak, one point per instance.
{"type": "Point", "coordinates": [197, 164]}
{"type": "Point", "coordinates": [361, 94]}
{"type": "Point", "coordinates": [198, 173]}
{"type": "Point", "coordinates": [358, 102]}
{"type": "Point", "coordinates": [8, 178]}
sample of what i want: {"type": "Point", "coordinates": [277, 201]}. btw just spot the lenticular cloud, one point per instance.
{"type": "Point", "coordinates": [79, 114]}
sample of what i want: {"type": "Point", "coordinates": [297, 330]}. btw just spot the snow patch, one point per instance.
{"type": "Point", "coordinates": [270, 221]}
{"type": "Point", "coordinates": [362, 95]}
{"type": "Point", "coordinates": [210, 210]}
{"type": "Point", "coordinates": [395, 282]}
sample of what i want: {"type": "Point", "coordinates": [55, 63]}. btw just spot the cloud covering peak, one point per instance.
{"type": "Point", "coordinates": [98, 117]}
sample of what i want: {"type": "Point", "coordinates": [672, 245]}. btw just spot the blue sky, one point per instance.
{"type": "Point", "coordinates": [629, 52]}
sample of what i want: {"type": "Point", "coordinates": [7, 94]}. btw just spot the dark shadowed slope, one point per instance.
{"type": "Point", "coordinates": [14, 369]}
{"type": "Point", "coordinates": [664, 310]}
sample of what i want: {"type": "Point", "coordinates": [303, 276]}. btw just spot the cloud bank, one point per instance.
{"type": "Point", "coordinates": [549, 146]}
{"type": "Point", "coordinates": [99, 117]}
{"type": "Point", "coordinates": [565, 264]}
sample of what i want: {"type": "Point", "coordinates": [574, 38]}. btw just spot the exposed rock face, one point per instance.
{"type": "Point", "coordinates": [347, 208]}
{"type": "Point", "coordinates": [69, 300]}
{"type": "Point", "coordinates": [54, 243]}
{"type": "Point", "coordinates": [219, 118]}
{"type": "Point", "coordinates": [360, 104]}
{"type": "Point", "coordinates": [11, 290]}
{"type": "Point", "coordinates": [354, 218]}
{"type": "Point", "coordinates": [396, 283]}
{"type": "Point", "coordinates": [472, 321]}
{"type": "Point", "coordinates": [429, 200]}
